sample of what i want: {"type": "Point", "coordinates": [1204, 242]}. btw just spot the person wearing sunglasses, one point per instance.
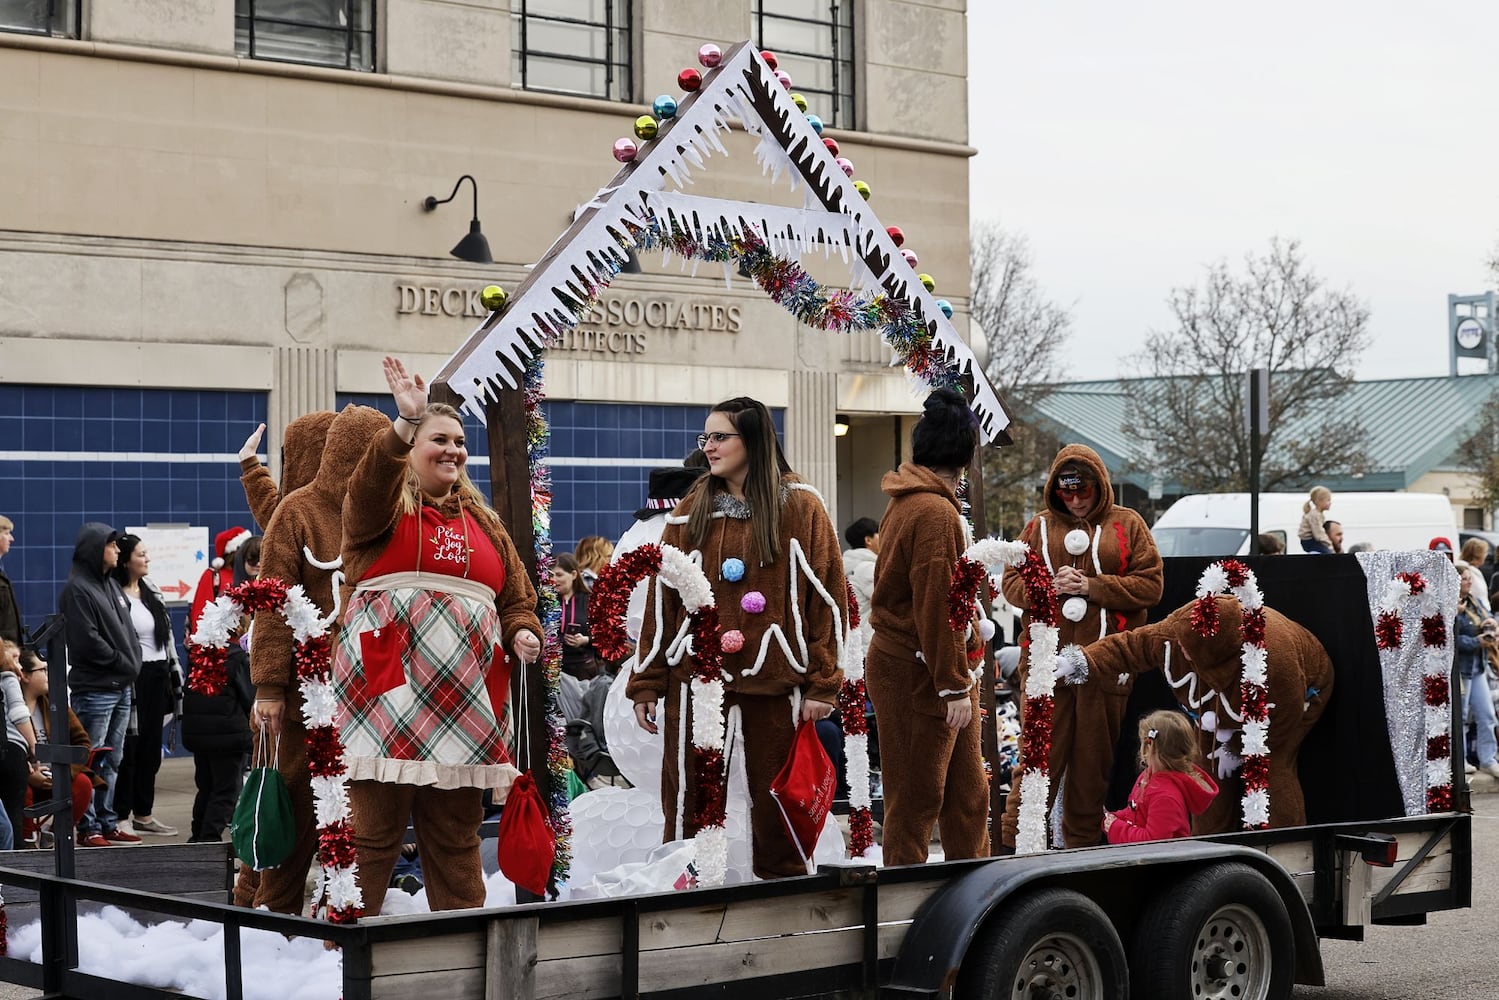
{"type": "Point", "coordinates": [771, 554]}
{"type": "Point", "coordinates": [1108, 576]}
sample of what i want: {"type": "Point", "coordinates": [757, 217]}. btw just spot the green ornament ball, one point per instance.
{"type": "Point", "coordinates": [863, 189]}
{"type": "Point", "coordinates": [493, 298]}
{"type": "Point", "coordinates": [927, 281]}
{"type": "Point", "coordinates": [646, 128]}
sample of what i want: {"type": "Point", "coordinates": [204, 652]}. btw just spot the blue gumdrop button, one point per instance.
{"type": "Point", "coordinates": [733, 570]}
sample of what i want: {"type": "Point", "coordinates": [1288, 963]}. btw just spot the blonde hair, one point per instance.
{"type": "Point", "coordinates": [1475, 552]}
{"type": "Point", "coordinates": [593, 552]}
{"type": "Point", "coordinates": [468, 493]}
{"type": "Point", "coordinates": [1318, 494]}
{"type": "Point", "coordinates": [1173, 738]}
{"type": "Point", "coordinates": [12, 658]}
{"type": "Point", "coordinates": [6, 524]}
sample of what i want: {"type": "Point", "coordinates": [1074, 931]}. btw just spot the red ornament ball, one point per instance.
{"type": "Point", "coordinates": [896, 235]}
{"type": "Point", "coordinates": [710, 55]}
{"type": "Point", "coordinates": [832, 145]}
{"type": "Point", "coordinates": [770, 59]}
{"type": "Point", "coordinates": [689, 79]}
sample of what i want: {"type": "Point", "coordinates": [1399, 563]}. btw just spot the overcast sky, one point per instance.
{"type": "Point", "coordinates": [1135, 142]}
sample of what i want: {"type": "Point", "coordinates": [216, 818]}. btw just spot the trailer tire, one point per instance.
{"type": "Point", "coordinates": [1221, 932]}
{"type": "Point", "coordinates": [1054, 938]}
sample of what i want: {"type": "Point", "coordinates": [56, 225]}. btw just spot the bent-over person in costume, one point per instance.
{"type": "Point", "coordinates": [770, 552]}
{"type": "Point", "coordinates": [435, 595]}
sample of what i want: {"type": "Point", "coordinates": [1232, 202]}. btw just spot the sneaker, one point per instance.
{"type": "Point", "coordinates": [152, 825]}
{"type": "Point", "coordinates": [121, 836]}
{"type": "Point", "coordinates": [1469, 767]}
{"type": "Point", "coordinates": [407, 883]}
{"type": "Point", "coordinates": [92, 840]}
{"type": "Point", "coordinates": [1491, 769]}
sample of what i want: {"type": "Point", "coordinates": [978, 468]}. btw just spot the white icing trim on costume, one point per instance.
{"type": "Point", "coordinates": [1046, 545]}
{"type": "Point", "coordinates": [684, 706]}
{"type": "Point", "coordinates": [773, 632]}
{"type": "Point", "coordinates": [1097, 536]}
{"type": "Point", "coordinates": [314, 561]}
{"type": "Point", "coordinates": [808, 487]}
{"type": "Point", "coordinates": [1190, 680]}
{"type": "Point", "coordinates": [797, 559]}
{"type": "Point", "coordinates": [1103, 621]}
{"type": "Point", "coordinates": [964, 690]}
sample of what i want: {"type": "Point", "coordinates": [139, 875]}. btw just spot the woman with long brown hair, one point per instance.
{"type": "Point", "coordinates": [436, 595]}
{"type": "Point", "coordinates": [771, 555]}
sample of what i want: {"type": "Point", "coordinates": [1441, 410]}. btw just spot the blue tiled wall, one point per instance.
{"type": "Point", "coordinates": [49, 498]}
{"type": "Point", "coordinates": [594, 499]}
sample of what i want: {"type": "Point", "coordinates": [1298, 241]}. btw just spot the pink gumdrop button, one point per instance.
{"type": "Point", "coordinates": [733, 641]}
{"type": "Point", "coordinates": [753, 602]}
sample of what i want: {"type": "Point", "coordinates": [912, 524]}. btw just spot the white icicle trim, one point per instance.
{"type": "Point", "coordinates": [1255, 669]}
{"type": "Point", "coordinates": [1439, 772]}
{"type": "Point", "coordinates": [1214, 581]}
{"type": "Point", "coordinates": [330, 797]}
{"type": "Point", "coordinates": [1254, 739]}
{"type": "Point", "coordinates": [319, 703]}
{"type": "Point", "coordinates": [1030, 834]}
{"type": "Point", "coordinates": [1042, 679]}
{"type": "Point", "coordinates": [711, 846]}
{"type": "Point", "coordinates": [1257, 808]}
{"type": "Point", "coordinates": [856, 759]}
{"type": "Point", "coordinates": [707, 714]}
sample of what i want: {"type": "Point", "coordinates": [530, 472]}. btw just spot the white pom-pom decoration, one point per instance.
{"type": "Point", "coordinates": [1209, 721]}
{"type": "Point", "coordinates": [1074, 608]}
{"type": "Point", "coordinates": [986, 629]}
{"type": "Point", "coordinates": [1076, 541]}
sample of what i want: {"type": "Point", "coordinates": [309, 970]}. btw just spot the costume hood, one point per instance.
{"type": "Point", "coordinates": [302, 449]}
{"type": "Point", "coordinates": [1197, 797]}
{"type": "Point", "coordinates": [349, 434]}
{"type": "Point", "coordinates": [912, 478]}
{"type": "Point", "coordinates": [88, 550]}
{"type": "Point", "coordinates": [1082, 457]}
{"type": "Point", "coordinates": [1226, 645]}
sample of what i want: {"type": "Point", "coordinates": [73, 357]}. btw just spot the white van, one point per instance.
{"type": "Point", "coordinates": [1217, 524]}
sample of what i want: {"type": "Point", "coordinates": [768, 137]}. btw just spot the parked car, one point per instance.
{"type": "Point", "coordinates": [1217, 524]}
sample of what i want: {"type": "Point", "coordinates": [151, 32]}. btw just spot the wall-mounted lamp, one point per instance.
{"type": "Point", "coordinates": [840, 425]}
{"type": "Point", "coordinates": [473, 247]}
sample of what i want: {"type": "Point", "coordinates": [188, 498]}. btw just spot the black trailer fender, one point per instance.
{"type": "Point", "coordinates": [1117, 878]}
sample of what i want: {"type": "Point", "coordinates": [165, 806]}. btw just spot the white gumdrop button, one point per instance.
{"type": "Point", "coordinates": [986, 629]}
{"type": "Point", "coordinates": [1209, 721]}
{"type": "Point", "coordinates": [1074, 608]}
{"type": "Point", "coordinates": [1076, 542]}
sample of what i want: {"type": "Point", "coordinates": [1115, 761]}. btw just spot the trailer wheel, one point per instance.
{"type": "Point", "coordinates": [1051, 943]}
{"type": "Point", "coordinates": [1222, 933]}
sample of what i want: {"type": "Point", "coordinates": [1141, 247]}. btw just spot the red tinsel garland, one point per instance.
{"type": "Point", "coordinates": [1036, 728]}
{"type": "Point", "coordinates": [708, 788]}
{"type": "Point", "coordinates": [1040, 593]}
{"type": "Point", "coordinates": [207, 675]}
{"type": "Point", "coordinates": [610, 599]}
{"type": "Point", "coordinates": [860, 831]}
{"type": "Point", "coordinates": [962, 593]}
{"type": "Point", "coordinates": [1438, 747]}
{"type": "Point", "coordinates": [1256, 772]}
{"type": "Point", "coordinates": [336, 845]}
{"type": "Point", "coordinates": [1437, 689]}
{"type": "Point", "coordinates": [1237, 573]}
{"type": "Point", "coordinates": [853, 605]}
{"type": "Point", "coordinates": [1252, 701]}
{"type": "Point", "coordinates": [325, 752]}
{"type": "Point", "coordinates": [1434, 630]}
{"type": "Point", "coordinates": [1254, 627]}
{"type": "Point", "coordinates": [851, 707]}
{"type": "Point", "coordinates": [1415, 581]}
{"type": "Point", "coordinates": [1439, 798]}
{"type": "Point", "coordinates": [707, 644]}
{"type": "Point", "coordinates": [1389, 630]}
{"type": "Point", "coordinates": [1205, 616]}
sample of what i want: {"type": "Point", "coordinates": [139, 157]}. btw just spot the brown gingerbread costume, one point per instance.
{"type": "Point", "coordinates": [308, 519]}
{"type": "Point", "coordinates": [432, 598]}
{"type": "Point", "coordinates": [1114, 550]}
{"type": "Point", "coordinates": [786, 654]}
{"type": "Point", "coordinates": [1299, 682]}
{"type": "Point", "coordinates": [916, 665]}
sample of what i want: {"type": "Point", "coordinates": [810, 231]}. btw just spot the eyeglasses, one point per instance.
{"type": "Point", "coordinates": [1083, 492]}
{"type": "Point", "coordinates": [717, 437]}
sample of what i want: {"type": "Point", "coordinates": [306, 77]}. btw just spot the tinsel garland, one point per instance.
{"type": "Point", "coordinates": [4, 929]}
{"type": "Point", "coordinates": [1232, 576]}
{"type": "Point", "coordinates": [1411, 590]}
{"type": "Point", "coordinates": [851, 697]}
{"type": "Point", "coordinates": [549, 607]}
{"type": "Point", "coordinates": [607, 608]}
{"type": "Point", "coordinates": [1031, 777]}
{"type": "Point", "coordinates": [312, 658]}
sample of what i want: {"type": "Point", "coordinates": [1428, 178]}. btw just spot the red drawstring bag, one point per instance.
{"type": "Point", "coordinates": [527, 844]}
{"type": "Point", "coordinates": [804, 790]}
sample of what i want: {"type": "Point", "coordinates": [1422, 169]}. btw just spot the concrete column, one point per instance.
{"type": "Point", "coordinates": [304, 384]}
{"type": "Point", "coordinates": [810, 444]}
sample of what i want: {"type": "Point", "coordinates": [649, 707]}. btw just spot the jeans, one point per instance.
{"type": "Point", "coordinates": [105, 714]}
{"type": "Point", "coordinates": [1478, 711]}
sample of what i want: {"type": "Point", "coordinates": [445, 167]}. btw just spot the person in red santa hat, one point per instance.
{"type": "Point", "coordinates": [219, 576]}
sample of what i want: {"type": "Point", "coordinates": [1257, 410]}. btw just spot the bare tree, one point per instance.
{"type": "Point", "coordinates": [1026, 333]}
{"type": "Point", "coordinates": [1189, 409]}
{"type": "Point", "coordinates": [1478, 455]}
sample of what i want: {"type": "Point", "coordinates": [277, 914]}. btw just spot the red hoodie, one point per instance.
{"type": "Point", "coordinates": [1161, 806]}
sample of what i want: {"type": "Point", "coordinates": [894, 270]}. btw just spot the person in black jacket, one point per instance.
{"type": "Point", "coordinates": [216, 729]}
{"type": "Point", "coordinates": [104, 658]}
{"type": "Point", "coordinates": [10, 615]}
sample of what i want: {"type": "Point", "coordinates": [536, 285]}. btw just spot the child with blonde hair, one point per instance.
{"type": "Point", "coordinates": [1313, 530]}
{"type": "Point", "coordinates": [1171, 790]}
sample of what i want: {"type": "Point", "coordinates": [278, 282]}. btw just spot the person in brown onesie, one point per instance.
{"type": "Point", "coordinates": [302, 449]}
{"type": "Point", "coordinates": [771, 554]}
{"type": "Point", "coordinates": [308, 518]}
{"type": "Point", "coordinates": [1107, 572]}
{"type": "Point", "coordinates": [1298, 683]}
{"type": "Point", "coordinates": [917, 671]}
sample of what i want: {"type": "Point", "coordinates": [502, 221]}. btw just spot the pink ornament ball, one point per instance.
{"type": "Point", "coordinates": [689, 79]}
{"type": "Point", "coordinates": [910, 256]}
{"type": "Point", "coordinates": [753, 602]}
{"type": "Point", "coordinates": [732, 641]}
{"type": "Point", "coordinates": [832, 145]}
{"type": "Point", "coordinates": [770, 59]}
{"type": "Point", "coordinates": [785, 78]}
{"type": "Point", "coordinates": [625, 150]}
{"type": "Point", "coordinates": [845, 164]}
{"type": "Point", "coordinates": [710, 55]}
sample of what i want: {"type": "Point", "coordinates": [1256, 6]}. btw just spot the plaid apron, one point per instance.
{"type": "Point", "coordinates": [422, 684]}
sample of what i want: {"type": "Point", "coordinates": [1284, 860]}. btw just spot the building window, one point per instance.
{"type": "Point", "coordinates": [572, 47]}
{"type": "Point", "coordinates": [316, 32]}
{"type": "Point", "coordinates": [58, 18]}
{"type": "Point", "coordinates": [814, 41]}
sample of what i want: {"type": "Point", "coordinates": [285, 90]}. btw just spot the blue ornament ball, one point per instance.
{"type": "Point", "coordinates": [733, 570]}
{"type": "Point", "coordinates": [816, 123]}
{"type": "Point", "coordinates": [665, 106]}
{"type": "Point", "coordinates": [946, 307]}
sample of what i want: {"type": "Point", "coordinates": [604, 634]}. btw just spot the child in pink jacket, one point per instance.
{"type": "Point", "coordinates": [1172, 788]}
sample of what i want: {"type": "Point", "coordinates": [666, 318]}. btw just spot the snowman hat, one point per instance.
{"type": "Point", "coordinates": [226, 542]}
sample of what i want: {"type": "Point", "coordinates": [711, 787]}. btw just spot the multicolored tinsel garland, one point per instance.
{"type": "Point", "coordinates": [1405, 592]}
{"type": "Point", "coordinates": [968, 574]}
{"type": "Point", "coordinates": [558, 762]}
{"type": "Point", "coordinates": [312, 656]}
{"type": "Point", "coordinates": [856, 735]}
{"type": "Point", "coordinates": [1232, 576]}
{"type": "Point", "coordinates": [678, 571]}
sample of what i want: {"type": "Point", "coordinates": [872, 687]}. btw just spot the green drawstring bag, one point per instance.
{"type": "Point", "coordinates": [262, 829]}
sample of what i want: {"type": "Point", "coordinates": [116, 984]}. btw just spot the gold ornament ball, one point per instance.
{"type": "Point", "coordinates": [863, 189]}
{"type": "Point", "coordinates": [801, 102]}
{"type": "Point", "coordinates": [493, 298]}
{"type": "Point", "coordinates": [926, 281]}
{"type": "Point", "coordinates": [646, 127]}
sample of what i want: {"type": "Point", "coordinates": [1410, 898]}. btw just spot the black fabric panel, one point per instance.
{"type": "Point", "coordinates": [1346, 765]}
